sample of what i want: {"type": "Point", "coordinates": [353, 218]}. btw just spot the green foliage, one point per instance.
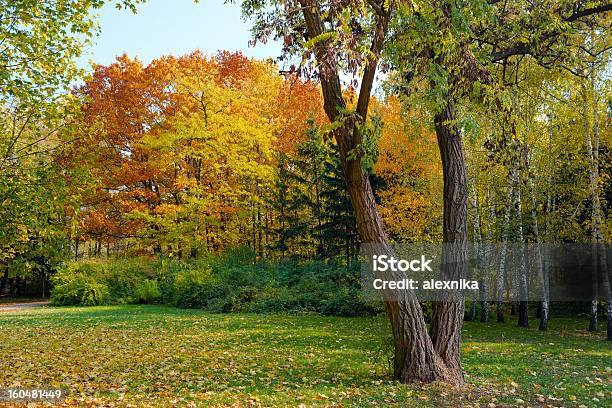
{"type": "Point", "coordinates": [372, 131]}
{"type": "Point", "coordinates": [120, 281]}
{"type": "Point", "coordinates": [77, 286]}
{"type": "Point", "coordinates": [287, 287]}
{"type": "Point", "coordinates": [147, 291]}
{"type": "Point", "coordinates": [41, 41]}
{"type": "Point", "coordinates": [316, 217]}
{"type": "Point", "coordinates": [32, 239]}
{"type": "Point", "coordinates": [223, 284]}
{"type": "Point", "coordinates": [82, 293]}
{"type": "Point", "coordinates": [347, 302]}
{"type": "Point", "coordinates": [195, 288]}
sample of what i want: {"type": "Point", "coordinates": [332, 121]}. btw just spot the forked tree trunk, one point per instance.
{"type": "Point", "coordinates": [417, 357]}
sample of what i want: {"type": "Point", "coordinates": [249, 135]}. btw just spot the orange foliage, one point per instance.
{"type": "Point", "coordinates": [409, 166]}
{"type": "Point", "coordinates": [296, 102]}
{"type": "Point", "coordinates": [128, 102]}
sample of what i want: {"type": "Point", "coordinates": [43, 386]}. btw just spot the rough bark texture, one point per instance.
{"type": "Point", "coordinates": [416, 358]}
{"type": "Point", "coordinates": [448, 313]}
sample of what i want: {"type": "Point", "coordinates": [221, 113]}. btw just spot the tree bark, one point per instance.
{"type": "Point", "coordinates": [471, 315]}
{"type": "Point", "coordinates": [448, 312]}
{"type": "Point", "coordinates": [596, 233]}
{"type": "Point", "coordinates": [501, 271]}
{"type": "Point", "coordinates": [485, 254]}
{"type": "Point", "coordinates": [523, 317]}
{"type": "Point", "coordinates": [603, 262]}
{"type": "Point", "coordinates": [597, 237]}
{"type": "Point", "coordinates": [4, 280]}
{"type": "Point", "coordinates": [536, 233]}
{"type": "Point", "coordinates": [479, 249]}
{"type": "Point", "coordinates": [416, 359]}
{"type": "Point", "coordinates": [546, 256]}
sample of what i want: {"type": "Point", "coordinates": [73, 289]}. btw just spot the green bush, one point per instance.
{"type": "Point", "coordinates": [348, 302]}
{"type": "Point", "coordinates": [147, 291]}
{"type": "Point", "coordinates": [79, 292]}
{"type": "Point", "coordinates": [76, 285]}
{"type": "Point", "coordinates": [124, 277]}
{"type": "Point", "coordinates": [285, 301]}
{"type": "Point", "coordinates": [114, 281]}
{"type": "Point", "coordinates": [226, 283]}
{"type": "Point", "coordinates": [196, 288]}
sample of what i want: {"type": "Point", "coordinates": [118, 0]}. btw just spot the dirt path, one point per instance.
{"type": "Point", "coordinates": [20, 306]}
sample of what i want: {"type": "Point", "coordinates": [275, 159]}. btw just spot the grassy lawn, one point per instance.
{"type": "Point", "coordinates": [162, 356]}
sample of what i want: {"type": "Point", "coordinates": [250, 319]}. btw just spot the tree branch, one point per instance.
{"type": "Point", "coordinates": [588, 12]}
{"type": "Point", "coordinates": [333, 102]}
{"type": "Point", "coordinates": [527, 49]}
{"type": "Point", "coordinates": [377, 8]}
{"type": "Point", "coordinates": [367, 81]}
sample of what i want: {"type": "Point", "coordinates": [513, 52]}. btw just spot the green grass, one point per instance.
{"type": "Point", "coordinates": [162, 356]}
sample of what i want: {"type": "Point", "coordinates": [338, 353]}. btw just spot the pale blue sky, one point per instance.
{"type": "Point", "coordinates": [173, 27]}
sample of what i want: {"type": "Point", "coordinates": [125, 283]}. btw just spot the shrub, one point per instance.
{"type": "Point", "coordinates": [79, 292]}
{"type": "Point", "coordinates": [147, 291]}
{"type": "Point", "coordinates": [196, 288]}
{"type": "Point", "coordinates": [75, 285]}
{"type": "Point", "coordinates": [124, 276]}
{"type": "Point", "coordinates": [95, 282]}
{"type": "Point", "coordinates": [229, 282]}
{"type": "Point", "coordinates": [348, 302]}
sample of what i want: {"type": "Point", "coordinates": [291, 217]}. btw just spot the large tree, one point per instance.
{"type": "Point", "coordinates": [349, 36]}
{"type": "Point", "coordinates": [456, 47]}
{"type": "Point", "coordinates": [475, 50]}
{"type": "Point", "coordinates": [40, 41]}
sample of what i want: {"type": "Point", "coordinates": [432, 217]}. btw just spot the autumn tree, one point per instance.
{"type": "Point", "coordinates": [407, 173]}
{"type": "Point", "coordinates": [181, 152]}
{"type": "Point", "coordinates": [467, 51]}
